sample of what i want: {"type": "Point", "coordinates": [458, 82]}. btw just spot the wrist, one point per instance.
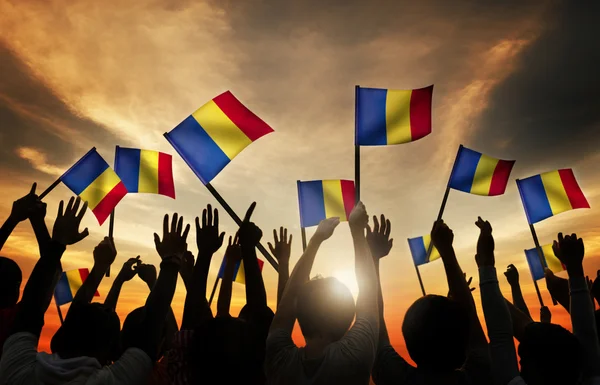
{"type": "Point", "coordinates": [12, 221]}
{"type": "Point", "coordinates": [357, 229]}
{"type": "Point", "coordinates": [575, 271]}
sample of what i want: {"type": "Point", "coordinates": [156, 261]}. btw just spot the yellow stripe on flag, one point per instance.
{"type": "Point", "coordinates": [99, 188]}
{"type": "Point", "coordinates": [553, 263]}
{"type": "Point", "coordinates": [230, 139]}
{"type": "Point", "coordinates": [434, 252]}
{"type": "Point", "coordinates": [334, 201]}
{"type": "Point", "coordinates": [148, 179]}
{"type": "Point", "coordinates": [397, 116]}
{"type": "Point", "coordinates": [74, 279]}
{"type": "Point", "coordinates": [483, 175]}
{"type": "Point", "coordinates": [241, 274]}
{"type": "Point", "coordinates": [555, 190]}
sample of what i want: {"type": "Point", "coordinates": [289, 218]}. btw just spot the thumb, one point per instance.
{"type": "Point", "coordinates": [271, 247]}
{"type": "Point", "coordinates": [156, 240]}
{"type": "Point", "coordinates": [83, 234]}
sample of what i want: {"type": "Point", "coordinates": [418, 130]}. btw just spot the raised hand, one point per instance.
{"type": "Point", "coordinates": [105, 253]}
{"type": "Point", "coordinates": [234, 251]}
{"type": "Point", "coordinates": [187, 267]}
{"type": "Point", "coordinates": [130, 269]}
{"type": "Point", "coordinates": [147, 273]}
{"type": "Point", "coordinates": [379, 238]}
{"type": "Point", "coordinates": [23, 207]}
{"type": "Point", "coordinates": [66, 227]}
{"type": "Point", "coordinates": [595, 289]}
{"type": "Point", "coordinates": [469, 282]}
{"type": "Point", "coordinates": [208, 238]}
{"type": "Point", "coordinates": [570, 251]}
{"type": "Point", "coordinates": [512, 275]}
{"type": "Point", "coordinates": [359, 219]}
{"type": "Point", "coordinates": [442, 236]}
{"type": "Point", "coordinates": [283, 246]}
{"type": "Point", "coordinates": [485, 244]}
{"type": "Point", "coordinates": [326, 228]}
{"type": "Point", "coordinates": [545, 314]}
{"type": "Point", "coordinates": [249, 234]}
{"type": "Point", "coordinates": [173, 245]}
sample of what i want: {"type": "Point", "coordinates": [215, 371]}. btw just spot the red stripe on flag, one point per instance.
{"type": "Point", "coordinates": [574, 193]}
{"type": "Point", "coordinates": [166, 186]}
{"type": "Point", "coordinates": [109, 202]}
{"type": "Point", "coordinates": [250, 124]}
{"type": "Point", "coordinates": [260, 264]}
{"type": "Point", "coordinates": [84, 273]}
{"type": "Point", "coordinates": [420, 112]}
{"type": "Point", "coordinates": [500, 177]}
{"type": "Point", "coordinates": [348, 195]}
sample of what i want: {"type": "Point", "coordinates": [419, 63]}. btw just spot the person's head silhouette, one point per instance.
{"type": "Point", "coordinates": [550, 354]}
{"type": "Point", "coordinates": [133, 330]}
{"type": "Point", "coordinates": [436, 331]}
{"type": "Point", "coordinates": [90, 329]}
{"type": "Point", "coordinates": [10, 282]}
{"type": "Point", "coordinates": [325, 309]}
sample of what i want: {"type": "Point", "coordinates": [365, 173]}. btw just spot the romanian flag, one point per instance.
{"type": "Point", "coordinates": [96, 183]}
{"type": "Point", "coordinates": [479, 174]}
{"type": "Point", "coordinates": [386, 117]}
{"type": "Point", "coordinates": [239, 274]}
{"type": "Point", "coordinates": [550, 193]}
{"type": "Point", "coordinates": [212, 136]}
{"type": "Point", "coordinates": [321, 199]}
{"type": "Point", "coordinates": [418, 249]}
{"type": "Point", "coordinates": [68, 284]}
{"type": "Point", "coordinates": [145, 171]}
{"type": "Point", "coordinates": [535, 265]}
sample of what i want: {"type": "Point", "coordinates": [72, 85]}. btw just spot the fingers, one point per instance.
{"type": "Point", "coordinates": [369, 231]}
{"type": "Point", "coordinates": [76, 205]}
{"type": "Point", "coordinates": [560, 237]}
{"type": "Point", "coordinates": [174, 223]}
{"type": "Point", "coordinates": [179, 225]}
{"type": "Point", "coordinates": [383, 224]}
{"type": "Point", "coordinates": [229, 243]}
{"type": "Point", "coordinates": [186, 231]}
{"type": "Point", "coordinates": [83, 234]}
{"type": "Point", "coordinates": [61, 208]}
{"type": "Point", "coordinates": [388, 228]}
{"type": "Point", "coordinates": [221, 237]}
{"type": "Point", "coordinates": [209, 215]}
{"type": "Point", "coordinates": [156, 241]}
{"type": "Point", "coordinates": [268, 244]}
{"type": "Point", "coordinates": [290, 241]}
{"type": "Point", "coordinates": [69, 206]}
{"type": "Point", "coordinates": [204, 220]}
{"type": "Point", "coordinates": [33, 187]}
{"type": "Point", "coordinates": [197, 225]}
{"type": "Point", "coordinates": [216, 218]}
{"type": "Point", "coordinates": [165, 225]}
{"type": "Point", "coordinates": [249, 212]}
{"type": "Point", "coordinates": [375, 224]}
{"type": "Point", "coordinates": [82, 211]}
{"type": "Point", "coordinates": [282, 238]}
{"type": "Point", "coordinates": [275, 236]}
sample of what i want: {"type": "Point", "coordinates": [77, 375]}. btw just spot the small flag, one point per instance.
{"type": "Point", "coordinates": [145, 171]}
{"type": "Point", "coordinates": [418, 249]}
{"type": "Point", "coordinates": [239, 274]}
{"type": "Point", "coordinates": [385, 117]}
{"type": "Point", "coordinates": [212, 136]}
{"type": "Point", "coordinates": [479, 174]}
{"type": "Point", "coordinates": [535, 265]}
{"type": "Point", "coordinates": [96, 183]}
{"type": "Point", "coordinates": [68, 284]}
{"type": "Point", "coordinates": [550, 193]}
{"type": "Point", "coordinates": [321, 199]}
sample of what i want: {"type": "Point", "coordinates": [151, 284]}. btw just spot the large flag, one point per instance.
{"type": "Point", "coordinates": [385, 117]}
{"type": "Point", "coordinates": [212, 136]}
{"type": "Point", "coordinates": [321, 199]}
{"type": "Point", "coordinates": [550, 193]}
{"type": "Point", "coordinates": [479, 174]}
{"type": "Point", "coordinates": [535, 265]}
{"type": "Point", "coordinates": [96, 183]}
{"type": "Point", "coordinates": [145, 171]}
{"type": "Point", "coordinates": [418, 249]}
{"type": "Point", "coordinates": [68, 284]}
{"type": "Point", "coordinates": [239, 274]}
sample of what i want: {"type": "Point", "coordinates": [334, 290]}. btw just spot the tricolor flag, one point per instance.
{"type": "Point", "coordinates": [96, 183]}
{"type": "Point", "coordinates": [418, 249]}
{"type": "Point", "coordinates": [239, 274]}
{"type": "Point", "coordinates": [212, 136]}
{"type": "Point", "coordinates": [145, 171]}
{"type": "Point", "coordinates": [68, 284]}
{"type": "Point", "coordinates": [479, 174]}
{"type": "Point", "coordinates": [550, 193]}
{"type": "Point", "coordinates": [385, 117]}
{"type": "Point", "coordinates": [535, 265]}
{"type": "Point", "coordinates": [321, 199]}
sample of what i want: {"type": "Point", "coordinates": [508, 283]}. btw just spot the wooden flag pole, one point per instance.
{"type": "Point", "coordinates": [356, 148]}
{"type": "Point", "coordinates": [303, 231]}
{"type": "Point", "coordinates": [237, 220]}
{"type": "Point", "coordinates": [540, 254]}
{"type": "Point", "coordinates": [214, 289]}
{"type": "Point", "coordinates": [50, 188]}
{"type": "Point", "coordinates": [60, 316]}
{"type": "Point", "coordinates": [111, 228]}
{"type": "Point", "coordinates": [420, 280]}
{"type": "Point", "coordinates": [539, 295]}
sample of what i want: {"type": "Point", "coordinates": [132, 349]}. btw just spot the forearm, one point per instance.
{"type": "Point", "coordinates": [559, 289]}
{"type": "Point", "coordinates": [283, 276]}
{"type": "Point", "coordinates": [196, 308]}
{"type": "Point", "coordinates": [113, 295]}
{"type": "Point", "coordinates": [6, 229]}
{"type": "Point", "coordinates": [224, 301]}
{"type": "Point", "coordinates": [519, 319]}
{"type": "Point", "coordinates": [256, 295]}
{"type": "Point", "coordinates": [366, 275]}
{"type": "Point", "coordinates": [384, 338]}
{"type": "Point", "coordinates": [499, 325]}
{"type": "Point", "coordinates": [518, 300]}
{"type": "Point", "coordinates": [41, 232]}
{"type": "Point", "coordinates": [584, 325]}
{"type": "Point", "coordinates": [86, 292]}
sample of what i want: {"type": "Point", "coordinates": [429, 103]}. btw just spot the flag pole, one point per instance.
{"type": "Point", "coordinates": [539, 295]}
{"type": "Point", "coordinates": [540, 253]}
{"type": "Point", "coordinates": [60, 316]}
{"type": "Point", "coordinates": [420, 280]}
{"type": "Point", "coordinates": [214, 289]}
{"type": "Point", "coordinates": [111, 228]}
{"type": "Point", "coordinates": [50, 188]}
{"type": "Point", "coordinates": [356, 147]}
{"type": "Point", "coordinates": [237, 220]}
{"type": "Point", "coordinates": [303, 231]}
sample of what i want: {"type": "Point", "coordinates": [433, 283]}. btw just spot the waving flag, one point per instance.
{"type": "Point", "coordinates": [418, 248]}
{"type": "Point", "coordinates": [212, 136]}
{"type": "Point", "coordinates": [479, 174]}
{"type": "Point", "coordinates": [145, 171]}
{"type": "Point", "coordinates": [535, 265]}
{"type": "Point", "coordinates": [239, 274]}
{"type": "Point", "coordinates": [550, 193]}
{"type": "Point", "coordinates": [385, 117]}
{"type": "Point", "coordinates": [96, 183]}
{"type": "Point", "coordinates": [68, 285]}
{"type": "Point", "coordinates": [321, 199]}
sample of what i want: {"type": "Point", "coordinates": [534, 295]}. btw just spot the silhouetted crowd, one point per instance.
{"type": "Point", "coordinates": [346, 342]}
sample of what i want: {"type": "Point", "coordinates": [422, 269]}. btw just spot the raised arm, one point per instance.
{"type": "Point", "coordinates": [35, 301]}
{"type": "Point", "coordinates": [250, 235]}
{"type": "Point", "coordinates": [497, 316]}
{"type": "Point", "coordinates": [22, 209]}
{"type": "Point", "coordinates": [559, 289]}
{"type": "Point", "coordinates": [570, 251]}
{"type": "Point", "coordinates": [209, 240]}
{"type": "Point", "coordinates": [233, 256]}
{"type": "Point", "coordinates": [285, 316]}
{"type": "Point", "coordinates": [442, 238]}
{"type": "Point", "coordinates": [128, 271]}
{"type": "Point", "coordinates": [104, 255]}
{"type": "Point", "coordinates": [512, 276]}
{"type": "Point", "coordinates": [282, 252]}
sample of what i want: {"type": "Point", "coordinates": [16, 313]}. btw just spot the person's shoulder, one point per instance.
{"type": "Point", "coordinates": [21, 339]}
{"type": "Point", "coordinates": [136, 356]}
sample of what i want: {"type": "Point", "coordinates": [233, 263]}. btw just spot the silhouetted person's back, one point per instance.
{"type": "Point", "coordinates": [10, 284]}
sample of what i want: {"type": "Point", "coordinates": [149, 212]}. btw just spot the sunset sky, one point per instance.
{"type": "Point", "coordinates": [514, 81]}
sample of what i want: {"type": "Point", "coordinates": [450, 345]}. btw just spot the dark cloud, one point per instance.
{"type": "Point", "coordinates": [548, 111]}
